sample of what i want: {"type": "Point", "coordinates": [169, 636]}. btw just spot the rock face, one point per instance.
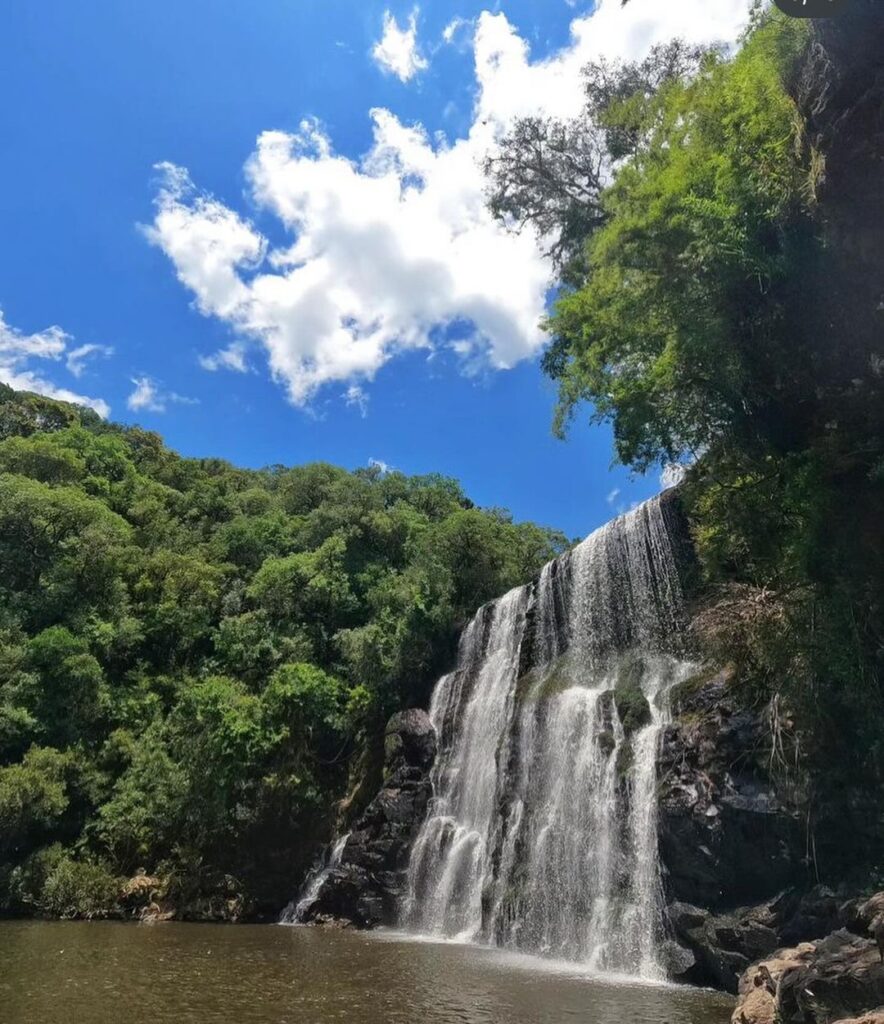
{"type": "Point", "coordinates": [725, 944]}
{"type": "Point", "coordinates": [835, 979]}
{"type": "Point", "coordinates": [725, 840]}
{"type": "Point", "coordinates": [733, 854]}
{"type": "Point", "coordinates": [364, 889]}
{"type": "Point", "coordinates": [154, 898]}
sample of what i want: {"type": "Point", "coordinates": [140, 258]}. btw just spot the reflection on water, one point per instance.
{"type": "Point", "coordinates": [73, 973]}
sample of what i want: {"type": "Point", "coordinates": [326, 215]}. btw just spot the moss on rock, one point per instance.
{"type": "Point", "coordinates": [629, 698]}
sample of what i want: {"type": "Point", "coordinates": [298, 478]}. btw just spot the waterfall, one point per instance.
{"type": "Point", "coordinates": [541, 834]}
{"type": "Point", "coordinates": [331, 858]}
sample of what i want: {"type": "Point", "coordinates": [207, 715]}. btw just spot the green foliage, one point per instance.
{"type": "Point", "coordinates": [676, 333]}
{"type": "Point", "coordinates": [65, 697]}
{"type": "Point", "coordinates": [33, 798]}
{"type": "Point", "coordinates": [54, 883]}
{"type": "Point", "coordinates": [145, 813]}
{"type": "Point", "coordinates": [78, 889]}
{"type": "Point", "coordinates": [194, 659]}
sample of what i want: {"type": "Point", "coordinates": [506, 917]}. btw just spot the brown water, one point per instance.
{"type": "Point", "coordinates": [72, 973]}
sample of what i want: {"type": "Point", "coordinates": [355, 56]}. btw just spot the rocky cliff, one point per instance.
{"type": "Point", "coordinates": [364, 888]}
{"type": "Point", "coordinates": [733, 851]}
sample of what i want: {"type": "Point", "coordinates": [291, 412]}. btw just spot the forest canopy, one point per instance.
{"type": "Point", "coordinates": [196, 661]}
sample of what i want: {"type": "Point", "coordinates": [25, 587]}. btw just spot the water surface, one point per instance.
{"type": "Point", "coordinates": [107, 973]}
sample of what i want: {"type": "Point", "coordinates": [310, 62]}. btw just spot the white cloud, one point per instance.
{"type": "Point", "coordinates": [17, 350]}
{"type": "Point", "coordinates": [149, 397]}
{"type": "Point", "coordinates": [355, 395]}
{"type": "Point", "coordinates": [233, 357]}
{"type": "Point", "coordinates": [453, 30]}
{"type": "Point", "coordinates": [511, 85]}
{"type": "Point", "coordinates": [77, 357]}
{"type": "Point", "coordinates": [145, 396]}
{"type": "Point", "coordinates": [390, 250]}
{"type": "Point", "coordinates": [397, 52]}
{"type": "Point", "coordinates": [613, 496]}
{"type": "Point", "coordinates": [384, 467]}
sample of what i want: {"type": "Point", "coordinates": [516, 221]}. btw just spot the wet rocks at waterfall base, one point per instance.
{"type": "Point", "coordinates": [724, 944]}
{"type": "Point", "coordinates": [839, 978]}
{"type": "Point", "coordinates": [364, 886]}
{"type": "Point", "coordinates": [732, 854]}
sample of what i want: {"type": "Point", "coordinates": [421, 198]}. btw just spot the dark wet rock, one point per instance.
{"type": "Point", "coordinates": [732, 852]}
{"type": "Point", "coordinates": [632, 705]}
{"type": "Point", "coordinates": [844, 977]}
{"type": "Point", "coordinates": [724, 944]}
{"type": "Point", "coordinates": [678, 961]}
{"type": "Point", "coordinates": [363, 890]}
{"type": "Point", "coordinates": [410, 740]}
{"type": "Point", "coordinates": [833, 979]}
{"type": "Point", "coordinates": [725, 837]}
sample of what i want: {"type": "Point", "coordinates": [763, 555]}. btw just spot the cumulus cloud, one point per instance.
{"type": "Point", "coordinates": [379, 464]}
{"type": "Point", "coordinates": [397, 52]}
{"type": "Point", "coordinates": [148, 396]}
{"type": "Point", "coordinates": [512, 85]}
{"type": "Point", "coordinates": [396, 251]}
{"type": "Point", "coordinates": [18, 350]}
{"type": "Point", "coordinates": [78, 357]}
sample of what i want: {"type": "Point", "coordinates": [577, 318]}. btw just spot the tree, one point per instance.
{"type": "Point", "coordinates": [66, 695]}
{"type": "Point", "coordinates": [674, 336]}
{"type": "Point", "coordinates": [33, 798]}
{"type": "Point", "coordinates": [551, 175]}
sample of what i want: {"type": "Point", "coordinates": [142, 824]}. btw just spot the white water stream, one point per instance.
{"type": "Point", "coordinates": [541, 835]}
{"type": "Point", "coordinates": [294, 912]}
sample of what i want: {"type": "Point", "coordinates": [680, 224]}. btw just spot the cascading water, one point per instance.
{"type": "Point", "coordinates": [294, 912]}
{"type": "Point", "coordinates": [542, 831]}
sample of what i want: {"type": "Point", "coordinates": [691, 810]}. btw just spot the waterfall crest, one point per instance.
{"type": "Point", "coordinates": [541, 834]}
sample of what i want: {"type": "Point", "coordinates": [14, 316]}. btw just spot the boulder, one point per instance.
{"type": "Point", "coordinates": [838, 978]}
{"type": "Point", "coordinates": [724, 944]}
{"type": "Point", "coordinates": [410, 739]}
{"type": "Point", "coordinates": [843, 978]}
{"type": "Point", "coordinates": [757, 999]}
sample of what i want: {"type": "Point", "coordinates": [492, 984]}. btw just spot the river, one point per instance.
{"type": "Point", "coordinates": [109, 973]}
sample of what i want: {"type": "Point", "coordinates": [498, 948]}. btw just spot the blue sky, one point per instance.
{"type": "Point", "coordinates": [257, 228]}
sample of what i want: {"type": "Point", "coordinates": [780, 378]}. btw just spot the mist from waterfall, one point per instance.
{"type": "Point", "coordinates": [541, 835]}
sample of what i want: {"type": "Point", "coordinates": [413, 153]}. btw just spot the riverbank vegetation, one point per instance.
{"type": "Point", "coordinates": [713, 219]}
{"type": "Point", "coordinates": [196, 661]}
